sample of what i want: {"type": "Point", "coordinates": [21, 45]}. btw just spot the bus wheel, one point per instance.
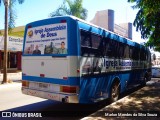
{"type": "Point", "coordinates": [115, 92]}
{"type": "Point", "coordinates": [144, 81]}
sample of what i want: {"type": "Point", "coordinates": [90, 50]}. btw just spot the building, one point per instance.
{"type": "Point", "coordinates": [15, 44]}
{"type": "Point", "coordinates": [105, 19]}
{"type": "Point", "coordinates": [14, 52]}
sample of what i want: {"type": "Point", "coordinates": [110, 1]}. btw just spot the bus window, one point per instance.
{"type": "Point", "coordinates": [101, 47]}
{"type": "Point", "coordinates": [105, 46]}
{"type": "Point", "coordinates": [126, 51]}
{"type": "Point", "coordinates": [85, 43]}
{"type": "Point", "coordinates": [136, 52]}
{"type": "Point", "coordinates": [130, 52]}
{"type": "Point", "coordinates": [143, 55]}
{"type": "Point", "coordinates": [85, 39]}
{"type": "Point", "coordinates": [121, 50]}
{"type": "Point", "coordinates": [116, 44]}
{"type": "Point", "coordinates": [110, 50]}
{"type": "Point", "coordinates": [96, 41]}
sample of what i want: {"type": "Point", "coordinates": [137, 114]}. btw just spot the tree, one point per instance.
{"type": "Point", "coordinates": [147, 21]}
{"type": "Point", "coordinates": [11, 23]}
{"type": "Point", "coordinates": [70, 7]}
{"type": "Point", "coordinates": [12, 13]}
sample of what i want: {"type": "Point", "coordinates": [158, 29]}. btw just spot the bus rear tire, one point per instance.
{"type": "Point", "coordinates": [115, 92]}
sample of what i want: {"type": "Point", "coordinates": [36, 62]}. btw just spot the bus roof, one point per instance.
{"type": "Point", "coordinates": [111, 34]}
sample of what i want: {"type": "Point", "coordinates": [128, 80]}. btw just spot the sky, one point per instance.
{"type": "Point", "coordinates": [33, 10]}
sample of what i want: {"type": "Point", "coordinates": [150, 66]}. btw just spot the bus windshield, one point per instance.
{"type": "Point", "coordinates": [47, 39]}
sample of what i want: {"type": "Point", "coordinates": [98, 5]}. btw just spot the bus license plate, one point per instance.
{"type": "Point", "coordinates": [43, 85]}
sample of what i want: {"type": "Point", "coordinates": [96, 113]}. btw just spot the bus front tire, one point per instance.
{"type": "Point", "coordinates": [145, 81]}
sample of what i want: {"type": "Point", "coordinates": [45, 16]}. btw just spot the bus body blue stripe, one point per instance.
{"type": "Point", "coordinates": [69, 81]}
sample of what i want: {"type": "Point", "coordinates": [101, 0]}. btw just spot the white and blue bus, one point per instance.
{"type": "Point", "coordinates": [69, 60]}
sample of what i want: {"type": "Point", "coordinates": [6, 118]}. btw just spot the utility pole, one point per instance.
{"type": "Point", "coordinates": [5, 58]}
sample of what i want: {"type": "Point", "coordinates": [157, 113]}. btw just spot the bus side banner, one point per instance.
{"type": "Point", "coordinates": [93, 64]}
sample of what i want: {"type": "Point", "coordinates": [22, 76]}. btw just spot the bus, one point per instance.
{"type": "Point", "coordinates": [69, 60]}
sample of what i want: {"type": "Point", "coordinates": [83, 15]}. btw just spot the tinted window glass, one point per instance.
{"type": "Point", "coordinates": [95, 41]}
{"type": "Point", "coordinates": [85, 39]}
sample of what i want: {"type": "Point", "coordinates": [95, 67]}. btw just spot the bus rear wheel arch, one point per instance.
{"type": "Point", "coordinates": [114, 91]}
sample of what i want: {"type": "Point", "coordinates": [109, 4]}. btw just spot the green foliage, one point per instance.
{"type": "Point", "coordinates": [147, 20]}
{"type": "Point", "coordinates": [70, 7]}
{"type": "Point", "coordinates": [12, 13]}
